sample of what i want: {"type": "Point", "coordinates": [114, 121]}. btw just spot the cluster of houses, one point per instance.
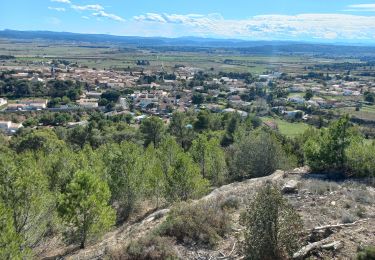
{"type": "Point", "coordinates": [100, 77]}
{"type": "Point", "coordinates": [167, 96]}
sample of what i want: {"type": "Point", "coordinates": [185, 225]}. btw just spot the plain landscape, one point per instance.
{"type": "Point", "coordinates": [116, 147]}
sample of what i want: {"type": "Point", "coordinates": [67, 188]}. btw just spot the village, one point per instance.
{"type": "Point", "coordinates": [144, 91]}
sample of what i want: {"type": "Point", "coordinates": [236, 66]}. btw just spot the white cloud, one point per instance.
{"type": "Point", "coordinates": [95, 7]}
{"type": "Point", "coordinates": [61, 1]}
{"type": "Point", "coordinates": [361, 8]}
{"type": "Point", "coordinates": [151, 17]}
{"type": "Point", "coordinates": [305, 26]}
{"type": "Point", "coordinates": [109, 16]}
{"type": "Point", "coordinates": [59, 9]}
{"type": "Point", "coordinates": [99, 10]}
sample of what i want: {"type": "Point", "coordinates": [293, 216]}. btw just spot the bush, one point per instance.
{"type": "Point", "coordinates": [255, 155]}
{"type": "Point", "coordinates": [348, 204]}
{"type": "Point", "coordinates": [327, 149]}
{"type": "Point", "coordinates": [273, 228]}
{"type": "Point", "coordinates": [347, 217]}
{"type": "Point", "coordinates": [231, 202]}
{"type": "Point", "coordinates": [363, 196]}
{"type": "Point", "coordinates": [147, 248]}
{"type": "Point", "coordinates": [361, 211]}
{"type": "Point", "coordinates": [204, 223]}
{"type": "Point", "coordinates": [361, 159]}
{"type": "Point", "coordinates": [320, 187]}
{"type": "Point", "coordinates": [368, 253]}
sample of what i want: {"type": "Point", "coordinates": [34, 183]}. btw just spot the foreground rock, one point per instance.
{"type": "Point", "coordinates": [290, 187]}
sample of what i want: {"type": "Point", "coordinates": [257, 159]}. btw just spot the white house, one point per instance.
{"type": "Point", "coordinates": [8, 127]}
{"type": "Point", "coordinates": [296, 99]}
{"type": "Point", "coordinates": [93, 94]}
{"type": "Point", "coordinates": [293, 114]}
{"type": "Point", "coordinates": [231, 110]}
{"type": "Point", "coordinates": [3, 102]}
{"type": "Point", "coordinates": [28, 105]}
{"type": "Point", "coordinates": [88, 102]}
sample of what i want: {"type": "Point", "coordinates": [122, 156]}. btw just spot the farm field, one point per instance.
{"type": "Point", "coordinates": [287, 128]}
{"type": "Point", "coordinates": [366, 112]}
{"type": "Point", "coordinates": [111, 56]}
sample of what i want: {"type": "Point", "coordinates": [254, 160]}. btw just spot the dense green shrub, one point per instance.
{"type": "Point", "coordinates": [273, 227]}
{"type": "Point", "coordinates": [327, 149]}
{"type": "Point", "coordinates": [368, 253]}
{"type": "Point", "coordinates": [255, 155]}
{"type": "Point", "coordinates": [10, 241]}
{"type": "Point", "coordinates": [361, 161]}
{"type": "Point", "coordinates": [340, 149]}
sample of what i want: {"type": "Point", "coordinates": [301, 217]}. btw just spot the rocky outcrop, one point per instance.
{"type": "Point", "coordinates": [290, 187]}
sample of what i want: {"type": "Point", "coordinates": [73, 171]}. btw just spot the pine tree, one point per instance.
{"type": "Point", "coordinates": [10, 241]}
{"type": "Point", "coordinates": [84, 206]}
{"type": "Point", "coordinates": [210, 157]}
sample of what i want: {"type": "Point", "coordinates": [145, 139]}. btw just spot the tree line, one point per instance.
{"type": "Point", "coordinates": [58, 90]}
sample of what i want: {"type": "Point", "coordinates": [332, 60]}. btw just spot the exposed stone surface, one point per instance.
{"type": "Point", "coordinates": [290, 187]}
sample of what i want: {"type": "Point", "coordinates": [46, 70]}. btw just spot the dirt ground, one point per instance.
{"type": "Point", "coordinates": [319, 202]}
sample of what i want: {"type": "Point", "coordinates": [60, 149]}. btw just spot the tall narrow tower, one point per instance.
{"type": "Point", "coordinates": [53, 71]}
{"type": "Point", "coordinates": [161, 65]}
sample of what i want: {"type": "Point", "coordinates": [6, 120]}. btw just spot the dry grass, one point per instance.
{"type": "Point", "coordinates": [148, 248]}
{"type": "Point", "coordinates": [320, 187]}
{"type": "Point", "coordinates": [347, 217]}
{"type": "Point", "coordinates": [203, 223]}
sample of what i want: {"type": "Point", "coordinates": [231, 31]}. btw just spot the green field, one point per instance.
{"type": "Point", "coordinates": [286, 128]}
{"type": "Point", "coordinates": [366, 112]}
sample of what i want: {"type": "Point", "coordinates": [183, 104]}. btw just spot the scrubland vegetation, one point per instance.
{"type": "Point", "coordinates": [79, 183]}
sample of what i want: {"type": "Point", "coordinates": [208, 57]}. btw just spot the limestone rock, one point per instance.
{"type": "Point", "coordinates": [290, 187]}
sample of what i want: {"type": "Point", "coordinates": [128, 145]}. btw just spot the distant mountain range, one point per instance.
{"type": "Point", "coordinates": [132, 40]}
{"type": "Point", "coordinates": [243, 46]}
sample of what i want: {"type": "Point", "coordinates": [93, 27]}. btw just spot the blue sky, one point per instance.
{"type": "Point", "coordinates": [309, 20]}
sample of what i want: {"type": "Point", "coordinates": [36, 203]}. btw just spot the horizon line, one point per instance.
{"type": "Point", "coordinates": [213, 38]}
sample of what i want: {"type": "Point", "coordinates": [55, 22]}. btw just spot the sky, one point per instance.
{"type": "Point", "coordinates": [295, 20]}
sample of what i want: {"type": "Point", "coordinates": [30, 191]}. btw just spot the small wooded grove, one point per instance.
{"type": "Point", "coordinates": [79, 183]}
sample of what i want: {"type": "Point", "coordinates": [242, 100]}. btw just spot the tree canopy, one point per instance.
{"type": "Point", "coordinates": [84, 206]}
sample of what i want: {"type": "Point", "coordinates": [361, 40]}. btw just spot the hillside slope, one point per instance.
{"type": "Point", "coordinates": [319, 203]}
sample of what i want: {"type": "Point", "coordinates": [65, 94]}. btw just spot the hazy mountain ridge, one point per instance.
{"type": "Point", "coordinates": [166, 44]}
